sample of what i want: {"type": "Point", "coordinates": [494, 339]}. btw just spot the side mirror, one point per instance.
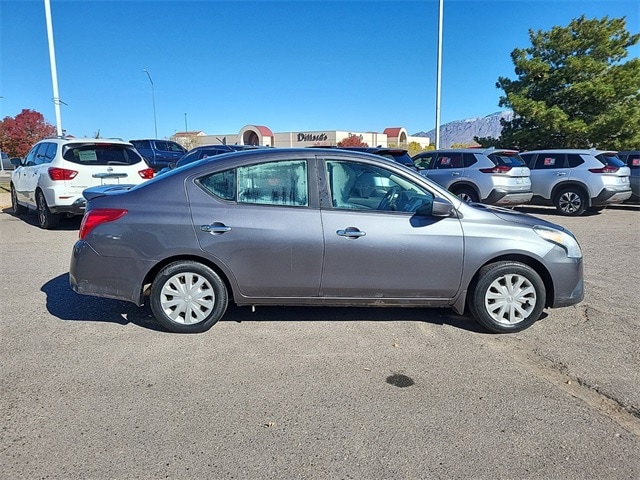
{"type": "Point", "coordinates": [438, 208]}
{"type": "Point", "coordinates": [16, 162]}
{"type": "Point", "coordinates": [172, 165]}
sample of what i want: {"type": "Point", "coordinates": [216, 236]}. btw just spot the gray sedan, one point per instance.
{"type": "Point", "coordinates": [317, 227]}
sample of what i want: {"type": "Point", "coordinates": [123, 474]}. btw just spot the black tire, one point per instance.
{"type": "Point", "coordinates": [507, 297]}
{"type": "Point", "coordinates": [571, 201]}
{"type": "Point", "coordinates": [188, 297]}
{"type": "Point", "coordinates": [467, 195]}
{"type": "Point", "coordinates": [15, 206]}
{"type": "Point", "coordinates": [46, 219]}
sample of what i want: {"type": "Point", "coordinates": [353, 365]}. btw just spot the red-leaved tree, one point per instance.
{"type": "Point", "coordinates": [19, 133]}
{"type": "Point", "coordinates": [352, 141]}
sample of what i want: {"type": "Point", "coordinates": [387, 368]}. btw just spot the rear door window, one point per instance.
{"type": "Point", "coordinates": [574, 160]}
{"type": "Point", "coordinates": [449, 160]}
{"type": "Point", "coordinates": [549, 161]}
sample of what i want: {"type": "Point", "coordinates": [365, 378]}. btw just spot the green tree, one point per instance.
{"type": "Point", "coordinates": [17, 135]}
{"type": "Point", "coordinates": [573, 89]}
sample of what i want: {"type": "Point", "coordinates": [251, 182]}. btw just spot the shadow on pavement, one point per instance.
{"type": "Point", "coordinates": [65, 304]}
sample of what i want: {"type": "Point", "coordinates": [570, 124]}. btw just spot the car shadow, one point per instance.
{"type": "Point", "coordinates": [66, 223]}
{"type": "Point", "coordinates": [64, 304]}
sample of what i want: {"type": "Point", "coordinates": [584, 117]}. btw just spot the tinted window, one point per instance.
{"type": "Point", "coordinates": [424, 161]}
{"type": "Point", "coordinates": [144, 144]}
{"type": "Point", "coordinates": [50, 154]}
{"type": "Point", "coordinates": [509, 159]}
{"type": "Point", "coordinates": [31, 156]}
{"type": "Point", "coordinates": [100, 154]}
{"type": "Point", "coordinates": [175, 147]}
{"type": "Point", "coordinates": [610, 159]}
{"type": "Point", "coordinates": [41, 154]}
{"type": "Point", "coordinates": [633, 160]}
{"type": "Point", "coordinates": [574, 160]}
{"type": "Point", "coordinates": [162, 146]}
{"type": "Point", "coordinates": [469, 159]}
{"type": "Point", "coordinates": [449, 160]}
{"type": "Point", "coordinates": [550, 161]}
{"type": "Point", "coordinates": [222, 185]}
{"type": "Point", "coordinates": [529, 159]}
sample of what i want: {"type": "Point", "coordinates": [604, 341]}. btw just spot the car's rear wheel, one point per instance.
{"type": "Point", "coordinates": [46, 219]}
{"type": "Point", "coordinates": [507, 297]}
{"type": "Point", "coordinates": [467, 195]}
{"type": "Point", "coordinates": [571, 201]}
{"type": "Point", "coordinates": [188, 297]}
{"type": "Point", "coordinates": [15, 206]}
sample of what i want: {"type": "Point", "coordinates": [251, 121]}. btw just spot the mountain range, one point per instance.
{"type": "Point", "coordinates": [461, 132]}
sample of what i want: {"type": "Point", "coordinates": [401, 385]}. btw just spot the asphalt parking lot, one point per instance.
{"type": "Point", "coordinates": [93, 388]}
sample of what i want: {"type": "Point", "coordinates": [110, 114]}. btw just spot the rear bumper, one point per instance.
{"type": "Point", "coordinates": [502, 197]}
{"type": "Point", "coordinates": [76, 208]}
{"type": "Point", "coordinates": [608, 196]}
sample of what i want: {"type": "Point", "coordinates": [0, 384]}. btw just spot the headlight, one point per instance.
{"type": "Point", "coordinates": [560, 238]}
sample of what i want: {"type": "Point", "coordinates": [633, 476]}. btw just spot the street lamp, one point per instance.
{"type": "Point", "coordinates": [185, 123]}
{"type": "Point", "coordinates": [153, 98]}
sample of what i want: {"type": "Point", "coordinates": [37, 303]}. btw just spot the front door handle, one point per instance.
{"type": "Point", "coordinates": [351, 232]}
{"type": "Point", "coordinates": [216, 228]}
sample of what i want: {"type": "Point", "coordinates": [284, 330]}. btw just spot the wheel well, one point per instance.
{"type": "Point", "coordinates": [531, 262]}
{"type": "Point", "coordinates": [156, 268]}
{"type": "Point", "coordinates": [576, 185]}
{"type": "Point", "coordinates": [456, 187]}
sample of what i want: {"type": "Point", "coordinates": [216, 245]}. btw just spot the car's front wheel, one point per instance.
{"type": "Point", "coordinates": [46, 219]}
{"type": "Point", "coordinates": [507, 297]}
{"type": "Point", "coordinates": [188, 297]}
{"type": "Point", "coordinates": [467, 195]}
{"type": "Point", "coordinates": [15, 206]}
{"type": "Point", "coordinates": [571, 201]}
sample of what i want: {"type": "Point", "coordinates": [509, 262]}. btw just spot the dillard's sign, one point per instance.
{"type": "Point", "coordinates": [312, 137]}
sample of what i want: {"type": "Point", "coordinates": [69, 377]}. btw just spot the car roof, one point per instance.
{"type": "Point", "coordinates": [484, 151]}
{"type": "Point", "coordinates": [117, 141]}
{"type": "Point", "coordinates": [580, 151]}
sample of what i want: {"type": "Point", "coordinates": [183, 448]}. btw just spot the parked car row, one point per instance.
{"type": "Point", "coordinates": [572, 180]}
{"type": "Point", "coordinates": [51, 178]}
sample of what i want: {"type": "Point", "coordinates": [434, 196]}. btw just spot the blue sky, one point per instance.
{"type": "Point", "coordinates": [290, 65]}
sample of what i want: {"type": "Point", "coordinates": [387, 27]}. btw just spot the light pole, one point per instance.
{"type": "Point", "coordinates": [185, 123]}
{"type": "Point", "coordinates": [153, 99]}
{"type": "Point", "coordinates": [439, 73]}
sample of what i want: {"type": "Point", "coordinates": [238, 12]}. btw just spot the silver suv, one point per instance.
{"type": "Point", "coordinates": [491, 176]}
{"type": "Point", "coordinates": [577, 180]}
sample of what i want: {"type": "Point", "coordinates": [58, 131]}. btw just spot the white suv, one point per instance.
{"type": "Point", "coordinates": [54, 173]}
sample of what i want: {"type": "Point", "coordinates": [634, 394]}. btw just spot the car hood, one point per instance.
{"type": "Point", "coordinates": [509, 215]}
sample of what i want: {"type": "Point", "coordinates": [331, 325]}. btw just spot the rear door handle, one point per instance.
{"type": "Point", "coordinates": [216, 228]}
{"type": "Point", "coordinates": [351, 232]}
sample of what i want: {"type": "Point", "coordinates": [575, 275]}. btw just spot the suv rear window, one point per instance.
{"type": "Point", "coordinates": [610, 159]}
{"type": "Point", "coordinates": [509, 159]}
{"type": "Point", "coordinates": [100, 154]}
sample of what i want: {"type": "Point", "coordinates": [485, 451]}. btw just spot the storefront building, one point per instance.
{"type": "Point", "coordinates": [261, 135]}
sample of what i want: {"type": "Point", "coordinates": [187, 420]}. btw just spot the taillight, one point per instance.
{"type": "Point", "coordinates": [95, 217]}
{"type": "Point", "coordinates": [147, 173]}
{"type": "Point", "coordinates": [607, 169]}
{"type": "Point", "coordinates": [496, 169]}
{"type": "Point", "coordinates": [56, 173]}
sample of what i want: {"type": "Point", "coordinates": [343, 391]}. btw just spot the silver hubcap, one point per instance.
{"type": "Point", "coordinates": [570, 202]}
{"type": "Point", "coordinates": [510, 299]}
{"type": "Point", "coordinates": [187, 298]}
{"type": "Point", "coordinates": [465, 198]}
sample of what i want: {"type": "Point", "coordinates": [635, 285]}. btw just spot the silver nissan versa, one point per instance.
{"type": "Point", "coordinates": [317, 227]}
